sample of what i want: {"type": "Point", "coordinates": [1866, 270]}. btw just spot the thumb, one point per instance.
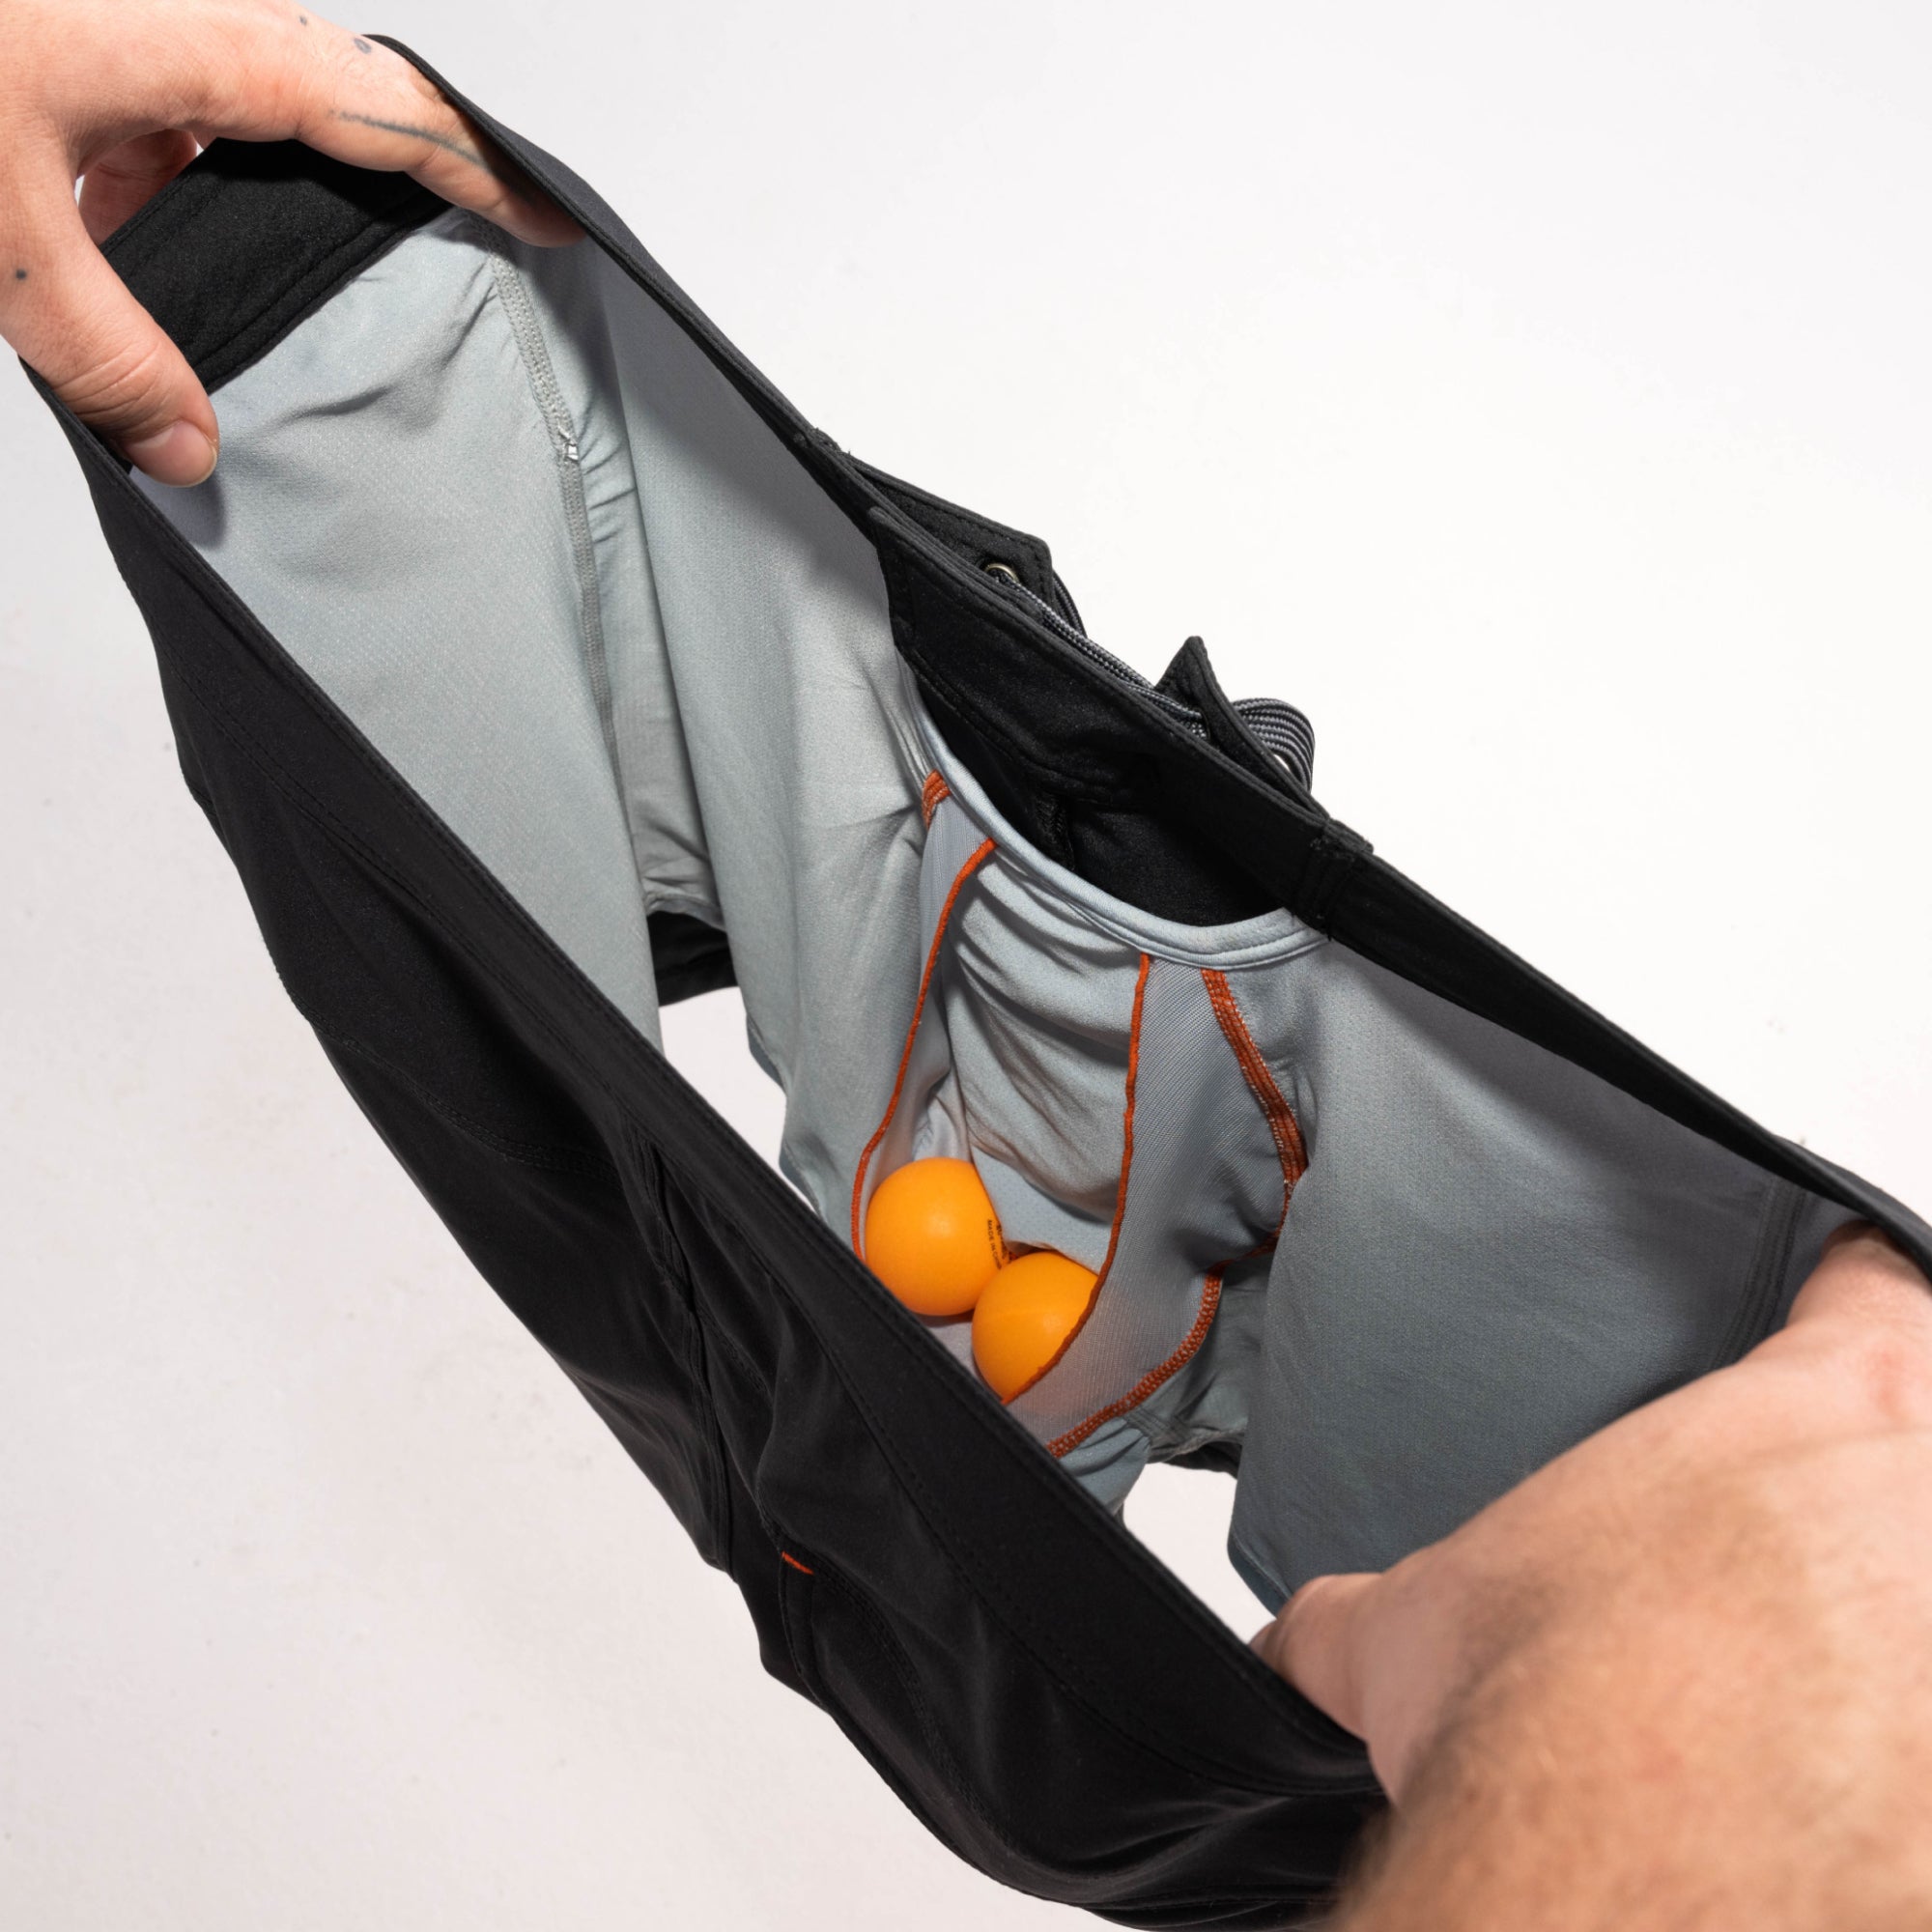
{"type": "Point", "coordinates": [1317, 1643]}
{"type": "Point", "coordinates": [74, 321]}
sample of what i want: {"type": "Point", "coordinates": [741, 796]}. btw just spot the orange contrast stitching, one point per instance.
{"type": "Point", "coordinates": [966, 871]}
{"type": "Point", "coordinates": [1285, 1128]}
{"type": "Point", "coordinates": [931, 792]}
{"type": "Point", "coordinates": [803, 1569]}
{"type": "Point", "coordinates": [1210, 1302]}
{"type": "Point", "coordinates": [1286, 1132]}
{"type": "Point", "coordinates": [1053, 1361]}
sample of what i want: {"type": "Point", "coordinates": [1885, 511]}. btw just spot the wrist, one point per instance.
{"type": "Point", "coordinates": [1596, 1779]}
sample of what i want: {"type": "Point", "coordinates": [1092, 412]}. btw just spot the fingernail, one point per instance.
{"type": "Point", "coordinates": [179, 454]}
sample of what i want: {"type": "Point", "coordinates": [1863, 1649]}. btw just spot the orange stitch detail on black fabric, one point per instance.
{"type": "Point", "coordinates": [803, 1569]}
{"type": "Point", "coordinates": [1283, 1126]}
{"type": "Point", "coordinates": [1054, 1360]}
{"type": "Point", "coordinates": [966, 871]}
{"type": "Point", "coordinates": [1210, 1302]}
{"type": "Point", "coordinates": [934, 789]}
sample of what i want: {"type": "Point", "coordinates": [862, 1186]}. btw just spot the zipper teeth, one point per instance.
{"type": "Point", "coordinates": [1100, 655]}
{"type": "Point", "coordinates": [1284, 730]}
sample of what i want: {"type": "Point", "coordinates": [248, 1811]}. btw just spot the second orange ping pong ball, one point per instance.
{"type": "Point", "coordinates": [932, 1236]}
{"type": "Point", "coordinates": [1025, 1315]}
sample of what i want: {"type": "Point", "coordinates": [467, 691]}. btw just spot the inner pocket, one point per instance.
{"type": "Point", "coordinates": [1096, 1067]}
{"type": "Point", "coordinates": [1393, 1256]}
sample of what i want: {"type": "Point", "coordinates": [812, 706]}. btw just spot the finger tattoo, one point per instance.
{"type": "Point", "coordinates": [461, 150]}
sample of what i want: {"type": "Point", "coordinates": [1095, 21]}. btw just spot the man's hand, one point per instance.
{"type": "Point", "coordinates": [119, 94]}
{"type": "Point", "coordinates": [1682, 1676]}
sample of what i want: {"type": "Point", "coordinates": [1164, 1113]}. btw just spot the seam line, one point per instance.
{"type": "Point", "coordinates": [1283, 1127]}
{"type": "Point", "coordinates": [528, 332]}
{"type": "Point", "coordinates": [1286, 1132]}
{"type": "Point", "coordinates": [1054, 1360]}
{"type": "Point", "coordinates": [1204, 1320]}
{"type": "Point", "coordinates": [965, 873]}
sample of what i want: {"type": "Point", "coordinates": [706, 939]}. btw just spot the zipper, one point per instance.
{"type": "Point", "coordinates": [1283, 731]}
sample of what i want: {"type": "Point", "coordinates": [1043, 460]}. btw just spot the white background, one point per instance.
{"type": "Point", "coordinates": [1537, 396]}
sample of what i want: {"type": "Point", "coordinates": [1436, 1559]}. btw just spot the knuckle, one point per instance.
{"type": "Point", "coordinates": [126, 389]}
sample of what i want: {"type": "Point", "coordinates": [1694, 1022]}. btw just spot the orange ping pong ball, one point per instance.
{"type": "Point", "coordinates": [932, 1236]}
{"type": "Point", "coordinates": [1025, 1315]}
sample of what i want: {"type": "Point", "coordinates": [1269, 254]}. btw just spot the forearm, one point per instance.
{"type": "Point", "coordinates": [1689, 1777]}
{"type": "Point", "coordinates": [1681, 1677]}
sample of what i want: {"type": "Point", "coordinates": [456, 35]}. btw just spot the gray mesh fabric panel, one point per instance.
{"type": "Point", "coordinates": [389, 504]}
{"type": "Point", "coordinates": [1481, 1230]}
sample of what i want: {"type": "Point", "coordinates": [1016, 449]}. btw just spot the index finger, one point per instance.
{"type": "Point", "coordinates": [1316, 1643]}
{"type": "Point", "coordinates": [277, 71]}
{"type": "Point", "coordinates": [365, 104]}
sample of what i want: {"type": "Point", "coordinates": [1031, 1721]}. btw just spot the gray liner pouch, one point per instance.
{"type": "Point", "coordinates": [1331, 1209]}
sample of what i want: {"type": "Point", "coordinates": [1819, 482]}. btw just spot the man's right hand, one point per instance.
{"type": "Point", "coordinates": [1683, 1675]}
